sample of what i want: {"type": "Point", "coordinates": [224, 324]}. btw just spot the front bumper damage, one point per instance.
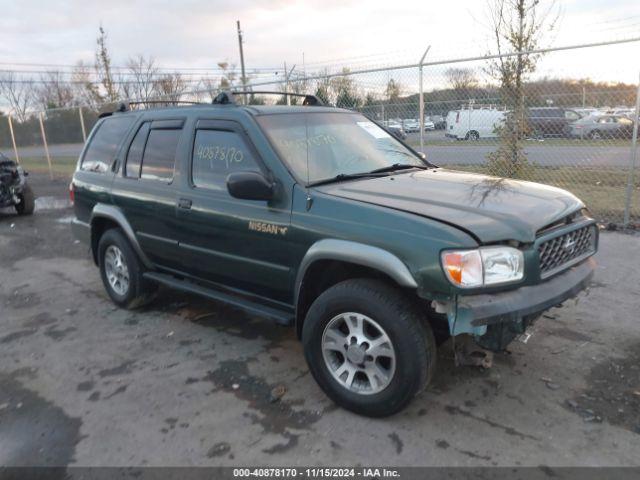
{"type": "Point", "coordinates": [496, 319]}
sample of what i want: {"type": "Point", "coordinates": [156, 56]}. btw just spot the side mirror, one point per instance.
{"type": "Point", "coordinates": [422, 155]}
{"type": "Point", "coordinates": [249, 186]}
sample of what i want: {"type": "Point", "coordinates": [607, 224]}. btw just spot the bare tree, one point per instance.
{"type": "Point", "coordinates": [54, 91]}
{"type": "Point", "coordinates": [85, 90]}
{"type": "Point", "coordinates": [461, 79]}
{"type": "Point", "coordinates": [170, 86]}
{"type": "Point", "coordinates": [141, 81]}
{"type": "Point", "coordinates": [516, 26]}
{"type": "Point", "coordinates": [103, 67]}
{"type": "Point", "coordinates": [18, 93]}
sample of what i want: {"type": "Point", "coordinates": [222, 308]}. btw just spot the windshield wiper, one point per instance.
{"type": "Point", "coordinates": [398, 166]}
{"type": "Point", "coordinates": [347, 176]}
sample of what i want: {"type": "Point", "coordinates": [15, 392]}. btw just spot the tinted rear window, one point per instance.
{"type": "Point", "coordinates": [105, 142]}
{"type": "Point", "coordinates": [160, 155]}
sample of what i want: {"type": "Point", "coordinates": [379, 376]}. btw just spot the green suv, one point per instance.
{"type": "Point", "coordinates": [318, 218]}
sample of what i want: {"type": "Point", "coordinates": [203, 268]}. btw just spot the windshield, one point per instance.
{"type": "Point", "coordinates": [333, 144]}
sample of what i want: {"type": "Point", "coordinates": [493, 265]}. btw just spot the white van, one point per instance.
{"type": "Point", "coordinates": [473, 124]}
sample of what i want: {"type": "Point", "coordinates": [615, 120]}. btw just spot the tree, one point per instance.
{"type": "Point", "coordinates": [141, 82]}
{"type": "Point", "coordinates": [54, 91]}
{"type": "Point", "coordinates": [323, 88]}
{"type": "Point", "coordinates": [345, 91]}
{"type": "Point", "coordinates": [19, 94]}
{"type": "Point", "coordinates": [392, 91]}
{"type": "Point", "coordinates": [170, 86]}
{"type": "Point", "coordinates": [103, 67]}
{"type": "Point", "coordinates": [516, 26]}
{"type": "Point", "coordinates": [85, 91]}
{"type": "Point", "coordinates": [462, 80]}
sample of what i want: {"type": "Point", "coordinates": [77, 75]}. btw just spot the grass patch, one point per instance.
{"type": "Point", "coordinates": [61, 166]}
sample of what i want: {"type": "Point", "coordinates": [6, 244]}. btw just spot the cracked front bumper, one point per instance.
{"type": "Point", "coordinates": [475, 312]}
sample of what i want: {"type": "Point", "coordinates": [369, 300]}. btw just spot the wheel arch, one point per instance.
{"type": "Point", "coordinates": [331, 261]}
{"type": "Point", "coordinates": [104, 217]}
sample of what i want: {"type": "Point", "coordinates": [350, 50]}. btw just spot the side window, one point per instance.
{"type": "Point", "coordinates": [159, 155]}
{"type": "Point", "coordinates": [218, 153]}
{"type": "Point", "coordinates": [134, 156]}
{"type": "Point", "coordinates": [104, 144]}
{"type": "Point", "coordinates": [571, 115]}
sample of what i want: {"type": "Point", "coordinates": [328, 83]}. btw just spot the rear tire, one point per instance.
{"type": "Point", "coordinates": [122, 271]}
{"type": "Point", "coordinates": [366, 332]}
{"type": "Point", "coordinates": [595, 135]}
{"type": "Point", "coordinates": [473, 135]}
{"type": "Point", "coordinates": [27, 201]}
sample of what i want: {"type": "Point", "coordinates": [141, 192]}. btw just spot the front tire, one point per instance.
{"type": "Point", "coordinates": [122, 272]}
{"type": "Point", "coordinates": [27, 201]}
{"type": "Point", "coordinates": [368, 346]}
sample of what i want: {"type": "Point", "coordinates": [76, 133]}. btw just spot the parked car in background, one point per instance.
{"type": "Point", "coordinates": [397, 131]}
{"type": "Point", "coordinates": [550, 121]}
{"type": "Point", "coordinates": [602, 126]}
{"type": "Point", "coordinates": [473, 124]}
{"type": "Point", "coordinates": [439, 122]}
{"type": "Point", "coordinates": [411, 126]}
{"type": "Point", "coordinates": [429, 125]}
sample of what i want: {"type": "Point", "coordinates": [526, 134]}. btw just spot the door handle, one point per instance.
{"type": "Point", "coordinates": [185, 203]}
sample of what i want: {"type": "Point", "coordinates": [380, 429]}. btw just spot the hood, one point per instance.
{"type": "Point", "coordinates": [490, 208]}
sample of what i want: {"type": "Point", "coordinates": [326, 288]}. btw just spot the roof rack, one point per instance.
{"type": "Point", "coordinates": [228, 97]}
{"type": "Point", "coordinates": [126, 105]}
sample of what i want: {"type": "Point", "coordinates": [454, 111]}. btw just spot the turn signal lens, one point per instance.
{"type": "Point", "coordinates": [464, 268]}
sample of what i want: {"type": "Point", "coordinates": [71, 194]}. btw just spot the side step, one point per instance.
{"type": "Point", "coordinates": [282, 317]}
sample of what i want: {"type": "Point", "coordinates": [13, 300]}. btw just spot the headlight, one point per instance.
{"type": "Point", "coordinates": [483, 267]}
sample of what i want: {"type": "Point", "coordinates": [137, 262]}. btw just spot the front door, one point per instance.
{"type": "Point", "coordinates": [243, 244]}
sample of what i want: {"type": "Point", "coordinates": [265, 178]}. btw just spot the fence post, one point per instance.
{"type": "Point", "coordinates": [46, 147]}
{"type": "Point", "coordinates": [421, 107]}
{"type": "Point", "coordinates": [634, 153]}
{"type": "Point", "coordinates": [84, 130]}
{"type": "Point", "coordinates": [13, 139]}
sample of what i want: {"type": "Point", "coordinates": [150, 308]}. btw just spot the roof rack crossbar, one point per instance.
{"type": "Point", "coordinates": [228, 97]}
{"type": "Point", "coordinates": [125, 106]}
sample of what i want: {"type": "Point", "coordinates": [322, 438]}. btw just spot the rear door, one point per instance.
{"type": "Point", "coordinates": [243, 244]}
{"type": "Point", "coordinates": [145, 189]}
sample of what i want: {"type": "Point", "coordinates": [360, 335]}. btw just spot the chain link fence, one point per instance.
{"type": "Point", "coordinates": [555, 126]}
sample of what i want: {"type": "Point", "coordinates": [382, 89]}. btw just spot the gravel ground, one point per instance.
{"type": "Point", "coordinates": [187, 381]}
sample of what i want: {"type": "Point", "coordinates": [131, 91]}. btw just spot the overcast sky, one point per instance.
{"type": "Point", "coordinates": [200, 33]}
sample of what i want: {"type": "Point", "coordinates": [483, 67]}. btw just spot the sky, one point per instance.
{"type": "Point", "coordinates": [314, 33]}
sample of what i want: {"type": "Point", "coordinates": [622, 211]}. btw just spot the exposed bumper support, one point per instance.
{"type": "Point", "coordinates": [501, 307]}
{"type": "Point", "coordinates": [475, 312]}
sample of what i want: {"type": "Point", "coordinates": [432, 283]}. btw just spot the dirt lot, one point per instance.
{"type": "Point", "coordinates": [190, 382]}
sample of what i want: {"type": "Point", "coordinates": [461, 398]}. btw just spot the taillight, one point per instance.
{"type": "Point", "coordinates": [72, 193]}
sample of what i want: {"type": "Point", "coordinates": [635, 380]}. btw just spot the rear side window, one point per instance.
{"type": "Point", "coordinates": [159, 155]}
{"type": "Point", "coordinates": [216, 154]}
{"type": "Point", "coordinates": [105, 142]}
{"type": "Point", "coordinates": [134, 156]}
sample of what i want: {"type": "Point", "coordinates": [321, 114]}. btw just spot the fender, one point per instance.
{"type": "Point", "coordinates": [358, 253]}
{"type": "Point", "coordinates": [101, 210]}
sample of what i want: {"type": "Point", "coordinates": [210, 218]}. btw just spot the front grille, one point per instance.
{"type": "Point", "coordinates": [565, 250]}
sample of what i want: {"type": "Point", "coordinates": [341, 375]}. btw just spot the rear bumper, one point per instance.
{"type": "Point", "coordinates": [81, 231]}
{"type": "Point", "coordinates": [488, 309]}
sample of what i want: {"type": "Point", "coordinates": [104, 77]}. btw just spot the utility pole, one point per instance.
{"type": "Point", "coordinates": [244, 78]}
